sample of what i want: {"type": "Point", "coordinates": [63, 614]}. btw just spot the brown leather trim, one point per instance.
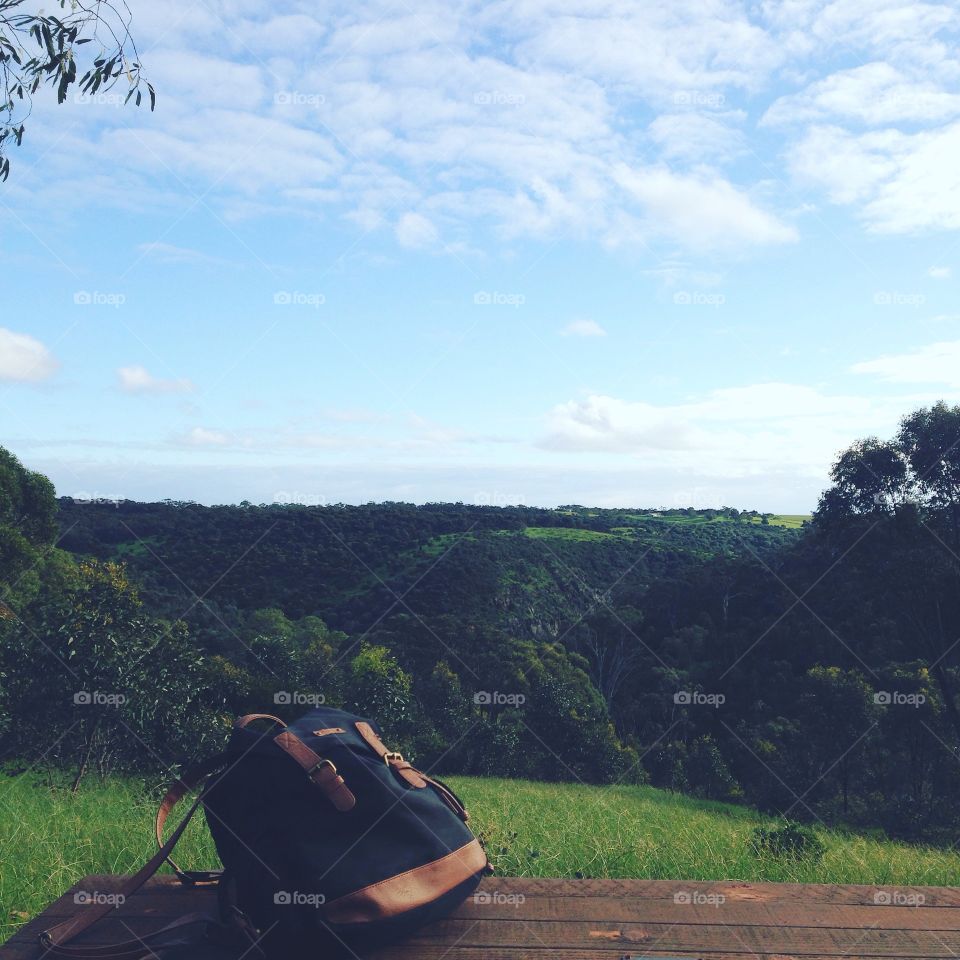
{"type": "Point", "coordinates": [449, 798]}
{"type": "Point", "coordinates": [409, 773]}
{"type": "Point", "coordinates": [368, 734]}
{"type": "Point", "coordinates": [189, 780]}
{"type": "Point", "coordinates": [322, 773]}
{"type": "Point", "coordinates": [407, 891]}
{"type": "Point", "coordinates": [248, 718]}
{"type": "Point", "coordinates": [399, 766]}
{"type": "Point", "coordinates": [326, 730]}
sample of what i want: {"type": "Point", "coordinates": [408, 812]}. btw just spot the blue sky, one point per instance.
{"type": "Point", "coordinates": [527, 251]}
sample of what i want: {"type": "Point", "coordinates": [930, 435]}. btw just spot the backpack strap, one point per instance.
{"type": "Point", "coordinates": [248, 718]}
{"type": "Point", "coordinates": [190, 779]}
{"type": "Point", "coordinates": [55, 939]}
{"type": "Point", "coordinates": [393, 760]}
{"type": "Point", "coordinates": [320, 772]}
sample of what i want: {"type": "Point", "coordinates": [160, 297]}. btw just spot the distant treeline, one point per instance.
{"type": "Point", "coordinates": [808, 671]}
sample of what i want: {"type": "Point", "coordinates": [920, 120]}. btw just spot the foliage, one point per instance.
{"type": "Point", "coordinates": [39, 48]}
{"type": "Point", "coordinates": [93, 682]}
{"type": "Point", "coordinates": [791, 840]}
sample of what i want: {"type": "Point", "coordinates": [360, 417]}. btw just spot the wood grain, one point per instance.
{"type": "Point", "coordinates": [516, 918]}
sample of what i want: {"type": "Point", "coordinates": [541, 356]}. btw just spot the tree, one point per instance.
{"type": "Point", "coordinates": [930, 441]}
{"type": "Point", "coordinates": [28, 525]}
{"type": "Point", "coordinates": [869, 477]}
{"type": "Point", "coordinates": [909, 488]}
{"type": "Point", "coordinates": [609, 641]}
{"type": "Point", "coordinates": [378, 687]}
{"type": "Point", "coordinates": [93, 682]}
{"type": "Point", "coordinates": [835, 714]}
{"type": "Point", "coordinates": [40, 48]}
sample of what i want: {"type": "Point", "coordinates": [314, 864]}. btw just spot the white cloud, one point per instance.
{"type": "Point", "coordinates": [939, 273]}
{"type": "Point", "coordinates": [875, 93]}
{"type": "Point", "coordinates": [531, 117]}
{"type": "Point", "coordinates": [515, 118]}
{"type": "Point", "coordinates": [925, 191]}
{"type": "Point", "coordinates": [137, 379]}
{"type": "Point", "coordinates": [170, 253]}
{"type": "Point", "coordinates": [648, 49]}
{"type": "Point", "coordinates": [935, 363]}
{"type": "Point", "coordinates": [413, 230]}
{"type": "Point", "coordinates": [203, 437]}
{"type": "Point", "coordinates": [850, 168]}
{"type": "Point", "coordinates": [583, 328]}
{"type": "Point", "coordinates": [697, 136]}
{"type": "Point", "coordinates": [704, 211]}
{"type": "Point", "coordinates": [23, 358]}
{"type": "Point", "coordinates": [729, 432]}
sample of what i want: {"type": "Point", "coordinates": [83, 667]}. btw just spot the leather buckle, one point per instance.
{"type": "Point", "coordinates": [318, 765]}
{"type": "Point", "coordinates": [392, 757]}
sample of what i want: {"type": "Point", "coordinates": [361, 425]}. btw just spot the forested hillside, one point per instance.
{"type": "Point", "coordinates": [527, 570]}
{"type": "Point", "coordinates": [731, 655]}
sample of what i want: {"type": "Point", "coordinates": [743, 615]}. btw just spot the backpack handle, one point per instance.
{"type": "Point", "coordinates": [247, 719]}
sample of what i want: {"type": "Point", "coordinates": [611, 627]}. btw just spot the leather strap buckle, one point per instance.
{"type": "Point", "coordinates": [392, 757]}
{"type": "Point", "coordinates": [318, 765]}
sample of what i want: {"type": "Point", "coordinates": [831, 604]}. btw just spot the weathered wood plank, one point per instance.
{"type": "Point", "coordinates": [606, 909]}
{"type": "Point", "coordinates": [732, 890]}
{"type": "Point", "coordinates": [515, 918]}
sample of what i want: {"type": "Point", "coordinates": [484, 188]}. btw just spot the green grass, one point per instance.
{"type": "Point", "coordinates": [792, 520]}
{"type": "Point", "coordinates": [49, 839]}
{"type": "Point", "coordinates": [566, 533]}
{"type": "Point", "coordinates": [136, 548]}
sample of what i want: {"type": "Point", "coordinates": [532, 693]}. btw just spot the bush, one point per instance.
{"type": "Point", "coordinates": [790, 841]}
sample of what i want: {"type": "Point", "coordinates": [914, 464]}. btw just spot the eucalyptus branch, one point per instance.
{"type": "Point", "coordinates": [42, 49]}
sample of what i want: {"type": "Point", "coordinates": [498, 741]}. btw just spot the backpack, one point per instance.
{"type": "Point", "coordinates": [329, 841]}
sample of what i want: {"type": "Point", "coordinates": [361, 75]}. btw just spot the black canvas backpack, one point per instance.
{"type": "Point", "coordinates": [330, 843]}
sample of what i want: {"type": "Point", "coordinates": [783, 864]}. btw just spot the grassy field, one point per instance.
{"type": "Point", "coordinates": [50, 839]}
{"type": "Point", "coordinates": [792, 521]}
{"type": "Point", "coordinates": [565, 533]}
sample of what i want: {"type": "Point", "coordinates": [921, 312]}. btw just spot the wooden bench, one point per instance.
{"type": "Point", "coordinates": [530, 919]}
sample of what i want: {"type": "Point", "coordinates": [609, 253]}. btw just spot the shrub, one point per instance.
{"type": "Point", "coordinates": [789, 841]}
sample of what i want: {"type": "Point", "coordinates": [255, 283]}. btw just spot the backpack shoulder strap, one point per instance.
{"type": "Point", "coordinates": [192, 777]}
{"type": "Point", "coordinates": [55, 939]}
